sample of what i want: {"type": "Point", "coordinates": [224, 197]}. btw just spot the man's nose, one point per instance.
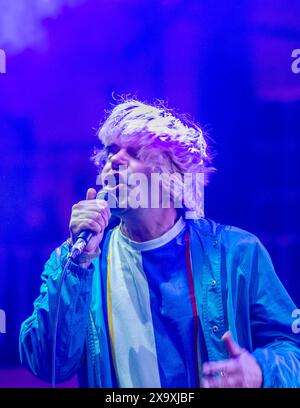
{"type": "Point", "coordinates": [119, 158]}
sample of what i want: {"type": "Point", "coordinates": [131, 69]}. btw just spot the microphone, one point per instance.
{"type": "Point", "coordinates": [85, 235]}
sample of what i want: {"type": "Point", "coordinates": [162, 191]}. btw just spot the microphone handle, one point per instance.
{"type": "Point", "coordinates": [80, 243]}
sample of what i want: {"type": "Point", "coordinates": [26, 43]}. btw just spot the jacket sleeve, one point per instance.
{"type": "Point", "coordinates": [276, 347]}
{"type": "Point", "coordinates": [36, 333]}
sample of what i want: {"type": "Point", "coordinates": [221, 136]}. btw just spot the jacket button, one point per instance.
{"type": "Point", "coordinates": [215, 329]}
{"type": "Point", "coordinates": [213, 283]}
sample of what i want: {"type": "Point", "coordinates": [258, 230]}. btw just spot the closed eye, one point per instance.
{"type": "Point", "coordinates": [110, 150]}
{"type": "Point", "coordinates": [113, 149]}
{"type": "Point", "coordinates": [132, 152]}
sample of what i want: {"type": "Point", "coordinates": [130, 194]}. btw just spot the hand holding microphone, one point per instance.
{"type": "Point", "coordinates": [88, 221]}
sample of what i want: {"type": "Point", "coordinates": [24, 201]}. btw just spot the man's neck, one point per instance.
{"type": "Point", "coordinates": [147, 224]}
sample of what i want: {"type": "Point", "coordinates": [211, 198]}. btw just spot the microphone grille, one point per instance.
{"type": "Point", "coordinates": [102, 195]}
{"type": "Point", "coordinates": [109, 197]}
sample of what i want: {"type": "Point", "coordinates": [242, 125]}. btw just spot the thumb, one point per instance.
{"type": "Point", "coordinates": [91, 194]}
{"type": "Point", "coordinates": [232, 347]}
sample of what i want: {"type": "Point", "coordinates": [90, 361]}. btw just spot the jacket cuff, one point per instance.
{"type": "Point", "coordinates": [74, 268]}
{"type": "Point", "coordinates": [80, 272]}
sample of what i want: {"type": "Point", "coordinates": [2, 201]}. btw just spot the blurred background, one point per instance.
{"type": "Point", "coordinates": [226, 63]}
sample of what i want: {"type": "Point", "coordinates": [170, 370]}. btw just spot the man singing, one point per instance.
{"type": "Point", "coordinates": [165, 297]}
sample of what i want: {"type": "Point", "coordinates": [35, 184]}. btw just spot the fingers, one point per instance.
{"type": "Point", "coordinates": [232, 347]}
{"type": "Point", "coordinates": [241, 370]}
{"type": "Point", "coordinates": [105, 215]}
{"type": "Point", "coordinates": [96, 216]}
{"type": "Point", "coordinates": [222, 374]}
{"type": "Point", "coordinates": [91, 194]}
{"type": "Point", "coordinates": [87, 220]}
{"type": "Point", "coordinates": [92, 214]}
{"type": "Point", "coordinates": [96, 205]}
{"type": "Point", "coordinates": [233, 381]}
{"type": "Point", "coordinates": [225, 366]}
{"type": "Point", "coordinates": [89, 224]}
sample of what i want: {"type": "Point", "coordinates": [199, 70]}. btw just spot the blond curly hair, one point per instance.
{"type": "Point", "coordinates": [169, 143]}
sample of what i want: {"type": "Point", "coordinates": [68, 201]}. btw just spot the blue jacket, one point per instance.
{"type": "Point", "coordinates": [236, 289]}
